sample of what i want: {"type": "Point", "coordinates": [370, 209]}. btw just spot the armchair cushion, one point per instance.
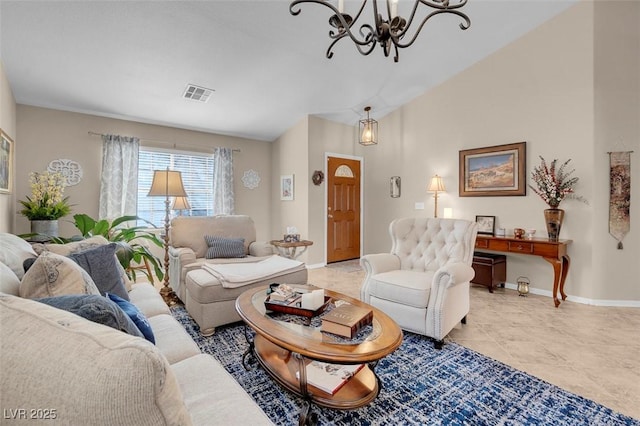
{"type": "Point", "coordinates": [406, 287]}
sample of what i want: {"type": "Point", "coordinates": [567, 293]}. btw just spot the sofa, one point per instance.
{"type": "Point", "coordinates": [57, 365]}
{"type": "Point", "coordinates": [208, 300]}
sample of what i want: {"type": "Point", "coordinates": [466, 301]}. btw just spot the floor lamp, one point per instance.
{"type": "Point", "coordinates": [167, 183]}
{"type": "Point", "coordinates": [436, 185]}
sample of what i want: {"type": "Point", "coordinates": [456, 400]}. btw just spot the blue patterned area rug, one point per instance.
{"type": "Point", "coordinates": [422, 386]}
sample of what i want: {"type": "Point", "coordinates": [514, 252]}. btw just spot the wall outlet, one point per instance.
{"type": "Point", "coordinates": [419, 206]}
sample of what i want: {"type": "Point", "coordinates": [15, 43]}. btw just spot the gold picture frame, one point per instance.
{"type": "Point", "coordinates": [493, 171]}
{"type": "Point", "coordinates": [6, 163]}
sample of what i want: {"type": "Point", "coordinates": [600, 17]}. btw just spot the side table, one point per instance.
{"type": "Point", "coordinates": [290, 249]}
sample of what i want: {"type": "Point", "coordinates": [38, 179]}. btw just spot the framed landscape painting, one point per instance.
{"type": "Point", "coordinates": [493, 171]}
{"type": "Point", "coordinates": [6, 151]}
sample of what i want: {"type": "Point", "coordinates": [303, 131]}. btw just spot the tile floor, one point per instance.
{"type": "Point", "coordinates": [588, 350]}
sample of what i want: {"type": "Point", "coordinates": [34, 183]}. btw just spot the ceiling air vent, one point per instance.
{"type": "Point", "coordinates": [197, 93]}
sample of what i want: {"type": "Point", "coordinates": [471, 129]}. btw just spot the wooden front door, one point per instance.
{"type": "Point", "coordinates": [343, 209]}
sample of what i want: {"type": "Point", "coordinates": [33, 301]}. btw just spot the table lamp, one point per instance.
{"type": "Point", "coordinates": [436, 185]}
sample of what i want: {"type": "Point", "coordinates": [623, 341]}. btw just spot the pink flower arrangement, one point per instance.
{"type": "Point", "coordinates": [554, 184]}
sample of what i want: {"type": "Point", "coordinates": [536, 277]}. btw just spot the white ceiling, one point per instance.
{"type": "Point", "coordinates": [133, 59]}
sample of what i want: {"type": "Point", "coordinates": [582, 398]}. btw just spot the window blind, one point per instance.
{"type": "Point", "coordinates": [197, 177]}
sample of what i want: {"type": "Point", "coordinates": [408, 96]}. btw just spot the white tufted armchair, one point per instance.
{"type": "Point", "coordinates": [423, 284]}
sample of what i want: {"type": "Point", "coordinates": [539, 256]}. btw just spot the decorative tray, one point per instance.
{"type": "Point", "coordinates": [295, 309]}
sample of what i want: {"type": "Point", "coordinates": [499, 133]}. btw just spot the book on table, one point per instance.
{"type": "Point", "coordinates": [346, 319]}
{"type": "Point", "coordinates": [329, 378]}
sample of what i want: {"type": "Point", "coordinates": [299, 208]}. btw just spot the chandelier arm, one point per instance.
{"type": "Point", "coordinates": [442, 4]}
{"type": "Point", "coordinates": [464, 25]}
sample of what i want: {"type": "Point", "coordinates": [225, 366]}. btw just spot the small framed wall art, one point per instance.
{"type": "Point", "coordinates": [6, 162]}
{"type": "Point", "coordinates": [286, 187]}
{"type": "Point", "coordinates": [493, 171]}
{"type": "Point", "coordinates": [395, 186]}
{"type": "Point", "coordinates": [486, 225]}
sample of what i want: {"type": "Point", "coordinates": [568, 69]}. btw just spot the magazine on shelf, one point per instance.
{"type": "Point", "coordinates": [330, 378]}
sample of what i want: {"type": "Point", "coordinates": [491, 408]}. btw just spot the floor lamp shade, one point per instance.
{"type": "Point", "coordinates": [167, 183]}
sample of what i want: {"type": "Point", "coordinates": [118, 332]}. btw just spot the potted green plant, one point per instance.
{"type": "Point", "coordinates": [129, 250]}
{"type": "Point", "coordinates": [46, 204]}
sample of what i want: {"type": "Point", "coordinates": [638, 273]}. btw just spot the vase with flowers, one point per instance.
{"type": "Point", "coordinates": [554, 184]}
{"type": "Point", "coordinates": [46, 204]}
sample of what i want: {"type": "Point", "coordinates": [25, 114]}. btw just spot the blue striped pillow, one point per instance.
{"type": "Point", "coordinates": [224, 247]}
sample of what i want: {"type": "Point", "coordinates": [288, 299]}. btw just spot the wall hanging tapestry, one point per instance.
{"type": "Point", "coordinates": [619, 194]}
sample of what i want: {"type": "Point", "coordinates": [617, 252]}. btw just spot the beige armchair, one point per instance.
{"type": "Point", "coordinates": [423, 284]}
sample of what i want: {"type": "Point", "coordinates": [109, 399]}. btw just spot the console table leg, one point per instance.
{"type": "Point", "coordinates": [566, 262]}
{"type": "Point", "coordinates": [557, 272]}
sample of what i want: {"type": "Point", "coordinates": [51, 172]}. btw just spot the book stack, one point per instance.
{"type": "Point", "coordinates": [346, 319]}
{"type": "Point", "coordinates": [329, 378]}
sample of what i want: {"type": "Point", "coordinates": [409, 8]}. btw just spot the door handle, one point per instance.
{"type": "Point", "coordinates": [330, 216]}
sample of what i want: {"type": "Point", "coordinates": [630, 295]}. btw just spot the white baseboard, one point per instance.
{"type": "Point", "coordinates": [582, 300]}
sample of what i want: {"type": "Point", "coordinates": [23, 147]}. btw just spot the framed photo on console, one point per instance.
{"type": "Point", "coordinates": [493, 171]}
{"type": "Point", "coordinates": [486, 225]}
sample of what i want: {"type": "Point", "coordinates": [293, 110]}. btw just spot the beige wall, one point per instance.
{"type": "Point", "coordinates": [48, 134]}
{"type": "Point", "coordinates": [539, 89]}
{"type": "Point", "coordinates": [8, 125]}
{"type": "Point", "coordinates": [325, 138]}
{"type": "Point", "coordinates": [289, 157]}
{"type": "Point", "coordinates": [617, 128]}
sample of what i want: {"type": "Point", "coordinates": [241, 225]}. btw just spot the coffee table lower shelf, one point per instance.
{"type": "Point", "coordinates": [282, 365]}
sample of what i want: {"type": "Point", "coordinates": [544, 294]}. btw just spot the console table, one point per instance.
{"type": "Point", "coordinates": [554, 252]}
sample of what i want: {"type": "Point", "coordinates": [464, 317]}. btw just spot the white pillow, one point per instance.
{"type": "Point", "coordinates": [13, 252]}
{"type": "Point", "coordinates": [54, 275]}
{"type": "Point", "coordinates": [9, 282]}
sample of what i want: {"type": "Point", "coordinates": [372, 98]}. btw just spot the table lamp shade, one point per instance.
{"type": "Point", "coordinates": [167, 183]}
{"type": "Point", "coordinates": [436, 184]}
{"type": "Point", "coordinates": [181, 203]}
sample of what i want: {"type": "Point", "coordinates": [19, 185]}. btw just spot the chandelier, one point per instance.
{"type": "Point", "coordinates": [389, 33]}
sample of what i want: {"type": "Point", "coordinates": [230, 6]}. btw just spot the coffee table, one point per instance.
{"type": "Point", "coordinates": [283, 349]}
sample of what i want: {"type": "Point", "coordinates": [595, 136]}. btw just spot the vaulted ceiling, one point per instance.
{"type": "Point", "coordinates": [133, 59]}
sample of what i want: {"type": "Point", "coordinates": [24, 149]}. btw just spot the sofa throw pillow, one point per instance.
{"type": "Point", "coordinates": [220, 247]}
{"type": "Point", "coordinates": [54, 275]}
{"type": "Point", "coordinates": [101, 265]}
{"type": "Point", "coordinates": [13, 251]}
{"type": "Point", "coordinates": [9, 282]}
{"type": "Point", "coordinates": [95, 308]}
{"type": "Point", "coordinates": [82, 245]}
{"type": "Point", "coordinates": [136, 316]}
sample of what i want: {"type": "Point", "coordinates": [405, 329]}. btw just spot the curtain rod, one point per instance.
{"type": "Point", "coordinates": [171, 144]}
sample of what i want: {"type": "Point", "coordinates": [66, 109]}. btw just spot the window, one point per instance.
{"type": "Point", "coordinates": [197, 177]}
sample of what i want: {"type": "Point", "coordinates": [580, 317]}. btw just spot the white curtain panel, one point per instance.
{"type": "Point", "coordinates": [119, 180]}
{"type": "Point", "coordinates": [223, 198]}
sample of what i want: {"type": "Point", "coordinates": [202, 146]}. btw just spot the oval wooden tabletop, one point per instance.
{"type": "Point", "coordinates": [308, 341]}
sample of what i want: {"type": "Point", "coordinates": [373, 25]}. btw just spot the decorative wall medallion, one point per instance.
{"type": "Point", "coordinates": [71, 170]}
{"type": "Point", "coordinates": [251, 179]}
{"type": "Point", "coordinates": [318, 177]}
